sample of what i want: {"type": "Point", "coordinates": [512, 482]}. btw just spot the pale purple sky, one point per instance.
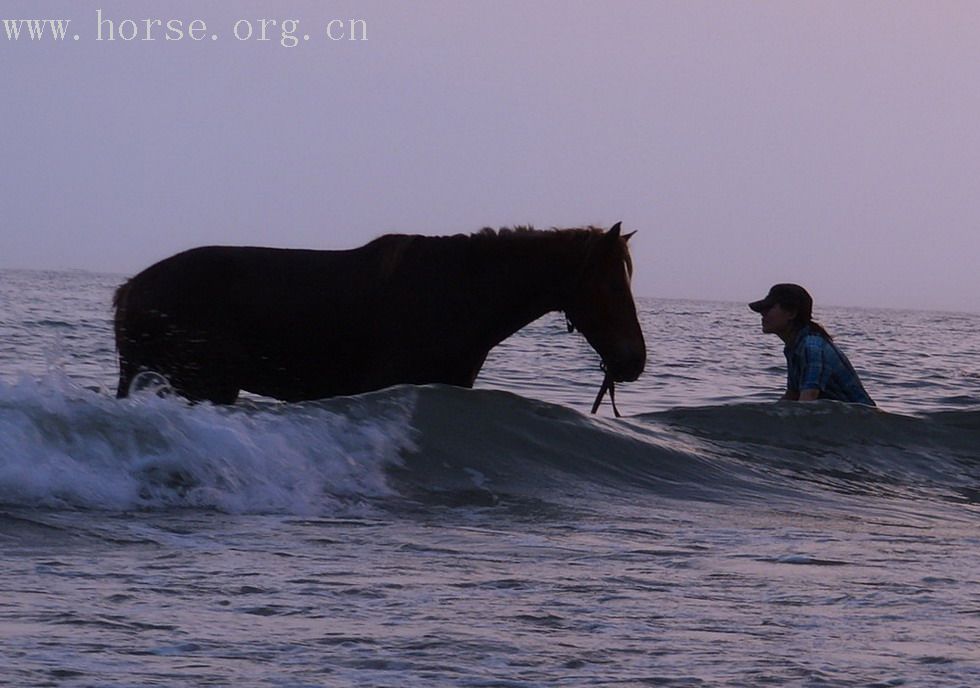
{"type": "Point", "coordinates": [834, 144]}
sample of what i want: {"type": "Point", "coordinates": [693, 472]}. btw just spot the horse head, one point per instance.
{"type": "Point", "coordinates": [601, 307]}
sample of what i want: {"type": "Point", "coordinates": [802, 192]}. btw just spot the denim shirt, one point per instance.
{"type": "Point", "coordinates": [815, 363]}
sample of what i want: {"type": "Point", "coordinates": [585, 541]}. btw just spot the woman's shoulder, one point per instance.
{"type": "Point", "coordinates": [813, 341]}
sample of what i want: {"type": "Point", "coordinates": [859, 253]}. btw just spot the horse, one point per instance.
{"type": "Point", "coordinates": [298, 324]}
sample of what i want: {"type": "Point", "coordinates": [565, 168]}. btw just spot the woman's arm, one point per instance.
{"type": "Point", "coordinates": [812, 378]}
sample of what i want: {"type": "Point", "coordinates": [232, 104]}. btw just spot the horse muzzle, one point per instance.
{"type": "Point", "coordinates": [627, 366]}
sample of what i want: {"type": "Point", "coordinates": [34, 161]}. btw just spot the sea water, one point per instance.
{"type": "Point", "coordinates": [500, 536]}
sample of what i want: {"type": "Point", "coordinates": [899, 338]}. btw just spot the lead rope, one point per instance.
{"type": "Point", "coordinates": [608, 385]}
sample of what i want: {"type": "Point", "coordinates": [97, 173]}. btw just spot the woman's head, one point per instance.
{"type": "Point", "coordinates": [791, 297]}
{"type": "Point", "coordinates": [785, 309]}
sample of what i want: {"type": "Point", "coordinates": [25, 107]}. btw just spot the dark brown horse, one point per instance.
{"type": "Point", "coordinates": [299, 324]}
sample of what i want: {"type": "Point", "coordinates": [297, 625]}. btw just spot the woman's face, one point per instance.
{"type": "Point", "coordinates": [778, 319]}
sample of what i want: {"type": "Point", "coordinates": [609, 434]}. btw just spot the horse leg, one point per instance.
{"type": "Point", "coordinates": [127, 371]}
{"type": "Point", "coordinates": [204, 374]}
{"type": "Point", "coordinates": [195, 374]}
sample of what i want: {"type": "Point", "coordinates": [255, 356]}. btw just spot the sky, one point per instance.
{"type": "Point", "coordinates": [832, 144]}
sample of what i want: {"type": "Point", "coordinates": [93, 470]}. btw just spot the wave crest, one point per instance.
{"type": "Point", "coordinates": [62, 446]}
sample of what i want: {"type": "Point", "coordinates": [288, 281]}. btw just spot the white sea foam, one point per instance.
{"type": "Point", "coordinates": [63, 446]}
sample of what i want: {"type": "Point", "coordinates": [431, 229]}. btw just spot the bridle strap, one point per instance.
{"type": "Point", "coordinates": [608, 384]}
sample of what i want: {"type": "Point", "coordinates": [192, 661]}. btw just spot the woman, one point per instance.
{"type": "Point", "coordinates": [816, 368]}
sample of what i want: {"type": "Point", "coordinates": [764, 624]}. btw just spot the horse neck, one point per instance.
{"type": "Point", "coordinates": [522, 278]}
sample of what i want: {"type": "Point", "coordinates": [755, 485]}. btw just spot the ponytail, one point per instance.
{"type": "Point", "coordinates": [817, 328]}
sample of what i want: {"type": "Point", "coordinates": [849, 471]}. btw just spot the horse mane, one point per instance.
{"type": "Point", "coordinates": [522, 233]}
{"type": "Point", "coordinates": [529, 232]}
{"type": "Point", "coordinates": [392, 248]}
{"type": "Point", "coordinates": [517, 232]}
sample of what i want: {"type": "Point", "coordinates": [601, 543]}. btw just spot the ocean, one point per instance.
{"type": "Point", "coordinates": [499, 536]}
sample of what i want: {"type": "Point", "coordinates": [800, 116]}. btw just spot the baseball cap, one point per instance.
{"type": "Point", "coordinates": [792, 295]}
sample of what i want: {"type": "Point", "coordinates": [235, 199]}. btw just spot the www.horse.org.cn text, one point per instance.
{"type": "Point", "coordinates": [285, 32]}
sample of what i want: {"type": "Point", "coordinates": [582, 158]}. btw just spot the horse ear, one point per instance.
{"type": "Point", "coordinates": [627, 237]}
{"type": "Point", "coordinates": [613, 232]}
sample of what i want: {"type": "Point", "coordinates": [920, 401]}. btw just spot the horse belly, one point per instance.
{"type": "Point", "coordinates": [435, 359]}
{"type": "Point", "coordinates": [298, 375]}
